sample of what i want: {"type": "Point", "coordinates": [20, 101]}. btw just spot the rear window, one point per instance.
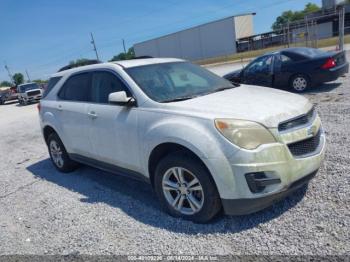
{"type": "Point", "coordinates": [76, 88]}
{"type": "Point", "coordinates": [52, 82]}
{"type": "Point", "coordinates": [309, 52]}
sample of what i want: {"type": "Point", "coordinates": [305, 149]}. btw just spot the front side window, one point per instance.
{"type": "Point", "coordinates": [104, 83]}
{"type": "Point", "coordinates": [167, 82]}
{"type": "Point", "coordinates": [76, 88]}
{"type": "Point", "coordinates": [259, 65]}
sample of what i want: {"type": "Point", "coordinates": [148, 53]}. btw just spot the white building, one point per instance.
{"type": "Point", "coordinates": [217, 38]}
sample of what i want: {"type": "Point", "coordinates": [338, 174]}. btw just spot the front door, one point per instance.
{"type": "Point", "coordinates": [259, 72]}
{"type": "Point", "coordinates": [113, 128]}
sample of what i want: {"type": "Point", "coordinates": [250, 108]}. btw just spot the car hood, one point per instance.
{"type": "Point", "coordinates": [233, 74]}
{"type": "Point", "coordinates": [266, 106]}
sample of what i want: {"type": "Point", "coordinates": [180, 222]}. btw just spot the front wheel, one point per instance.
{"type": "Point", "coordinates": [185, 188]}
{"type": "Point", "coordinates": [299, 83]}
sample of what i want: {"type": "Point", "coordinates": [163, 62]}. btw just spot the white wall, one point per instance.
{"type": "Point", "coordinates": [244, 26]}
{"type": "Point", "coordinates": [204, 41]}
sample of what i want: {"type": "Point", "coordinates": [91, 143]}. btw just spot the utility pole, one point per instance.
{"type": "Point", "coordinates": [94, 45]}
{"type": "Point", "coordinates": [9, 73]}
{"type": "Point", "coordinates": [341, 27]}
{"type": "Point", "coordinates": [28, 76]}
{"type": "Point", "coordinates": [288, 34]}
{"type": "Point", "coordinates": [124, 46]}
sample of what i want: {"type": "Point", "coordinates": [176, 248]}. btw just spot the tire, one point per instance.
{"type": "Point", "coordinates": [2, 101]}
{"type": "Point", "coordinates": [199, 206]}
{"type": "Point", "coordinates": [299, 83]}
{"type": "Point", "coordinates": [59, 155]}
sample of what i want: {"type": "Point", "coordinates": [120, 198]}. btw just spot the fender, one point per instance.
{"type": "Point", "coordinates": [49, 119]}
{"type": "Point", "coordinates": [197, 138]}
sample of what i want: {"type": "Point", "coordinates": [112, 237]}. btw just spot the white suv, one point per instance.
{"type": "Point", "coordinates": [201, 142]}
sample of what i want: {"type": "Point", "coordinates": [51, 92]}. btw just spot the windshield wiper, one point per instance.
{"type": "Point", "coordinates": [182, 98]}
{"type": "Point", "coordinates": [219, 89]}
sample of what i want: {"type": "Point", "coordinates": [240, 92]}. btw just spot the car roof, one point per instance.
{"type": "Point", "coordinates": [122, 63]}
{"type": "Point", "coordinates": [289, 49]}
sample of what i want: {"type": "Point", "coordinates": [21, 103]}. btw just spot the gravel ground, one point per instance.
{"type": "Point", "coordinates": [94, 212]}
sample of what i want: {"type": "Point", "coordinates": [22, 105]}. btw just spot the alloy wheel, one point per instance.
{"type": "Point", "coordinates": [56, 153]}
{"type": "Point", "coordinates": [183, 191]}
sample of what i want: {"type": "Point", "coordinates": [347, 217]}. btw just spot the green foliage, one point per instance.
{"type": "Point", "coordinates": [80, 62]}
{"type": "Point", "coordinates": [40, 81]}
{"type": "Point", "coordinates": [18, 79]}
{"type": "Point", "coordinates": [291, 16]}
{"type": "Point", "coordinates": [122, 56]}
{"type": "Point", "coordinates": [5, 83]}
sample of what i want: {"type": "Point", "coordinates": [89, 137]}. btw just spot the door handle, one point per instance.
{"type": "Point", "coordinates": [59, 107]}
{"type": "Point", "coordinates": [92, 115]}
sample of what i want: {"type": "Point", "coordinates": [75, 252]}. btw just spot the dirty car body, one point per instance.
{"type": "Point", "coordinates": [254, 144]}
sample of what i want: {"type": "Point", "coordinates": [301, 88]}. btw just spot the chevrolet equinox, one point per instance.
{"type": "Point", "coordinates": [202, 143]}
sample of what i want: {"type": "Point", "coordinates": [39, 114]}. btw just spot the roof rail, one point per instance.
{"type": "Point", "coordinates": [142, 57]}
{"type": "Point", "coordinates": [83, 63]}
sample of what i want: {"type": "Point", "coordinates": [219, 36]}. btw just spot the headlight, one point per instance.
{"type": "Point", "coordinates": [245, 134]}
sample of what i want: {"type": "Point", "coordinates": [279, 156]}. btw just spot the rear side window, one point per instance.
{"type": "Point", "coordinates": [76, 88]}
{"type": "Point", "coordinates": [52, 82]}
{"type": "Point", "coordinates": [104, 83]}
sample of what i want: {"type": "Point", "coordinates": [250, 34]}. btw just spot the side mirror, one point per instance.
{"type": "Point", "coordinates": [120, 98]}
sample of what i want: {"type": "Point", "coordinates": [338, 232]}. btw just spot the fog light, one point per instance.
{"type": "Point", "coordinates": [258, 181]}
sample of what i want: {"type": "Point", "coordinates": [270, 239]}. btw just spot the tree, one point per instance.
{"type": "Point", "coordinates": [80, 62]}
{"type": "Point", "coordinates": [291, 16]}
{"type": "Point", "coordinates": [5, 83]}
{"type": "Point", "coordinates": [124, 56]}
{"type": "Point", "coordinates": [40, 81]}
{"type": "Point", "coordinates": [18, 79]}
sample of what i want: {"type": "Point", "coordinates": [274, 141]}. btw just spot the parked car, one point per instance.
{"type": "Point", "coordinates": [29, 92]}
{"type": "Point", "coordinates": [295, 68]}
{"type": "Point", "coordinates": [200, 141]}
{"type": "Point", "coordinates": [7, 94]}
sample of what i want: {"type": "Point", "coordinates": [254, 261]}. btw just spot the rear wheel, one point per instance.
{"type": "Point", "coordinates": [185, 188]}
{"type": "Point", "coordinates": [299, 83]}
{"type": "Point", "coordinates": [59, 155]}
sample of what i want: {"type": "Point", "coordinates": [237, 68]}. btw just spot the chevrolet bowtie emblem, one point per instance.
{"type": "Point", "coordinates": [311, 130]}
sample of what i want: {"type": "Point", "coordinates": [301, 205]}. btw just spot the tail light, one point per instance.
{"type": "Point", "coordinates": [39, 106]}
{"type": "Point", "coordinates": [330, 63]}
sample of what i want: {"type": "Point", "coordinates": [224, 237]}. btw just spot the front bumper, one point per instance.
{"type": "Point", "coordinates": [32, 98]}
{"type": "Point", "coordinates": [247, 206]}
{"type": "Point", "coordinates": [276, 171]}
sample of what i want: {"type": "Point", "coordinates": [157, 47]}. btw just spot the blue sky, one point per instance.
{"type": "Point", "coordinates": [43, 35]}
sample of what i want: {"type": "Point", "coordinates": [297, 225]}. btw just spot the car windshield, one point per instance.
{"type": "Point", "coordinates": [27, 87]}
{"type": "Point", "coordinates": [169, 82]}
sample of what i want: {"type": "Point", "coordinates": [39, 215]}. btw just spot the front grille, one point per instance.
{"type": "Point", "coordinates": [299, 121]}
{"type": "Point", "coordinates": [33, 93]}
{"type": "Point", "coordinates": [306, 146]}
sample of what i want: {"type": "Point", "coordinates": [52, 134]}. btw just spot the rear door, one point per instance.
{"type": "Point", "coordinates": [113, 128]}
{"type": "Point", "coordinates": [72, 113]}
{"type": "Point", "coordinates": [259, 72]}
